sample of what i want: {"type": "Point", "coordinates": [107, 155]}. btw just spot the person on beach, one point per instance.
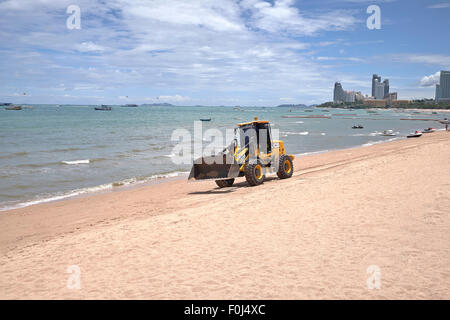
{"type": "Point", "coordinates": [446, 124]}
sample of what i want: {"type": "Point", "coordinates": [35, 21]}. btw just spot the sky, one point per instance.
{"type": "Point", "coordinates": [218, 52]}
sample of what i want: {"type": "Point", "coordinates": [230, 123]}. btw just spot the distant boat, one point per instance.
{"type": "Point", "coordinates": [416, 134]}
{"type": "Point", "coordinates": [388, 133]}
{"type": "Point", "coordinates": [5, 104]}
{"type": "Point", "coordinates": [309, 110]}
{"type": "Point", "coordinates": [130, 105]}
{"type": "Point", "coordinates": [358, 127]}
{"type": "Point", "coordinates": [12, 107]}
{"type": "Point", "coordinates": [205, 119]}
{"type": "Point", "coordinates": [103, 107]}
{"type": "Point", "coordinates": [307, 117]}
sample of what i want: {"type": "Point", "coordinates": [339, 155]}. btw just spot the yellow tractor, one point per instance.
{"type": "Point", "coordinates": [252, 154]}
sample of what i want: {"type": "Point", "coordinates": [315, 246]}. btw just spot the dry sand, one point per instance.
{"type": "Point", "coordinates": [311, 236]}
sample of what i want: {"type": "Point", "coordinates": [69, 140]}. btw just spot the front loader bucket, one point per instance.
{"type": "Point", "coordinates": [208, 169]}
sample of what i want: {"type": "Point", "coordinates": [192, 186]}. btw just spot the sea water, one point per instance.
{"type": "Point", "coordinates": [52, 152]}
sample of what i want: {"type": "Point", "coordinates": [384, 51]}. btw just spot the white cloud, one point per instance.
{"type": "Point", "coordinates": [89, 47]}
{"type": "Point", "coordinates": [246, 49]}
{"type": "Point", "coordinates": [430, 80]}
{"type": "Point", "coordinates": [434, 59]}
{"type": "Point", "coordinates": [353, 59]}
{"type": "Point", "coordinates": [440, 5]}
{"type": "Point", "coordinates": [283, 16]}
{"type": "Point", "coordinates": [215, 15]}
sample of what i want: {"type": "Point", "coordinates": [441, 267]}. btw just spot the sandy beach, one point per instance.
{"type": "Point", "coordinates": [309, 237]}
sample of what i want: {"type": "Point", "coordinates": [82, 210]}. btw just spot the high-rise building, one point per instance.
{"type": "Point", "coordinates": [349, 96]}
{"type": "Point", "coordinates": [379, 90]}
{"type": "Point", "coordinates": [375, 77]}
{"type": "Point", "coordinates": [444, 84]}
{"type": "Point", "coordinates": [386, 88]}
{"type": "Point", "coordinates": [339, 94]}
{"type": "Point", "coordinates": [392, 96]}
{"type": "Point", "coordinates": [437, 95]}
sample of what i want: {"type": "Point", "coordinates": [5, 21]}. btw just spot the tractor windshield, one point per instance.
{"type": "Point", "coordinates": [256, 133]}
{"type": "Point", "coordinates": [244, 134]}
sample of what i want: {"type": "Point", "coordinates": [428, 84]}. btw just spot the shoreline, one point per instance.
{"type": "Point", "coordinates": [96, 190]}
{"type": "Point", "coordinates": [152, 180]}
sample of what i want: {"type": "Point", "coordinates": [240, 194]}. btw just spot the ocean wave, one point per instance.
{"type": "Point", "coordinates": [371, 134]}
{"type": "Point", "coordinates": [86, 161]}
{"type": "Point", "coordinates": [37, 165]}
{"type": "Point", "coordinates": [311, 153]}
{"type": "Point", "coordinates": [169, 155]}
{"type": "Point", "coordinates": [371, 143]}
{"type": "Point", "coordinates": [144, 179]}
{"type": "Point", "coordinates": [303, 133]}
{"type": "Point", "coordinates": [61, 150]}
{"type": "Point", "coordinates": [14, 155]}
{"type": "Point", "coordinates": [104, 187]}
{"type": "Point", "coordinates": [56, 197]}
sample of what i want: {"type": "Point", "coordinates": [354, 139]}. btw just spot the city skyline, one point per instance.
{"type": "Point", "coordinates": [222, 53]}
{"type": "Point", "coordinates": [380, 91]}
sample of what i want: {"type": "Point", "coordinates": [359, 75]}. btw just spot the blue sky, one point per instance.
{"type": "Point", "coordinates": [212, 52]}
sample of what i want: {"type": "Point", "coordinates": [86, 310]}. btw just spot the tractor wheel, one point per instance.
{"type": "Point", "coordinates": [225, 183]}
{"type": "Point", "coordinates": [254, 173]}
{"type": "Point", "coordinates": [285, 167]}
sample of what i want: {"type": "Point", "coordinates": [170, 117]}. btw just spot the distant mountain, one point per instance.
{"type": "Point", "coordinates": [292, 106]}
{"type": "Point", "coordinates": [164, 104]}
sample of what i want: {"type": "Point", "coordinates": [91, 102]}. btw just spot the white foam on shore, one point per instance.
{"type": "Point", "coordinates": [311, 153]}
{"type": "Point", "coordinates": [57, 197]}
{"type": "Point", "coordinates": [90, 190]}
{"type": "Point", "coordinates": [371, 143]}
{"type": "Point", "coordinates": [371, 134]}
{"type": "Point", "coordinates": [169, 155]}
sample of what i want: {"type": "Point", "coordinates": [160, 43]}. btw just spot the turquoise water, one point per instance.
{"type": "Point", "coordinates": [51, 152]}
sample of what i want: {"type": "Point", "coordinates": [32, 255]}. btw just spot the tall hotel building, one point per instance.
{"type": "Point", "coordinates": [375, 78]}
{"type": "Point", "coordinates": [443, 88]}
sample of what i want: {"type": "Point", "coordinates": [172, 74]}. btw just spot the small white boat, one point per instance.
{"type": "Point", "coordinates": [429, 130]}
{"type": "Point", "coordinates": [103, 107]}
{"type": "Point", "coordinates": [416, 134]}
{"type": "Point", "coordinates": [388, 133]}
{"type": "Point", "coordinates": [13, 107]}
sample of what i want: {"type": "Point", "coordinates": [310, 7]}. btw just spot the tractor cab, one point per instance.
{"type": "Point", "coordinates": [256, 136]}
